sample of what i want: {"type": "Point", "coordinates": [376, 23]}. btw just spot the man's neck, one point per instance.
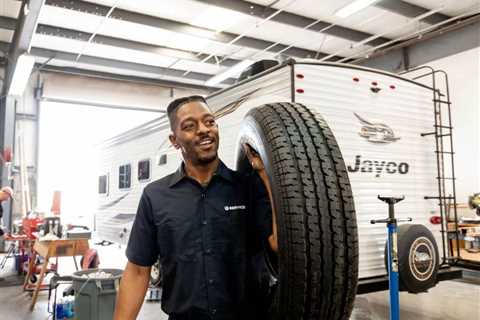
{"type": "Point", "coordinates": [201, 173]}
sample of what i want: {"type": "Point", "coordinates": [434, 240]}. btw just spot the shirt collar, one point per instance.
{"type": "Point", "coordinates": [222, 171]}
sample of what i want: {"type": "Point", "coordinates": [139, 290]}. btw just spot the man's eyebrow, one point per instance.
{"type": "Point", "coordinates": [187, 119]}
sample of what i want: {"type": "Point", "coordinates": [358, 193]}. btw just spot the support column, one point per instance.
{"type": "Point", "coordinates": [7, 138]}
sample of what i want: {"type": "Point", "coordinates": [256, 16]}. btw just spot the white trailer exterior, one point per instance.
{"type": "Point", "coordinates": [376, 117]}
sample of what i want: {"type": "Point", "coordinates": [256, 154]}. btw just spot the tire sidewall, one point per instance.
{"type": "Point", "coordinates": [252, 134]}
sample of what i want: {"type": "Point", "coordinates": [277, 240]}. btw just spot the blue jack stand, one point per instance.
{"type": "Point", "coordinates": [392, 252]}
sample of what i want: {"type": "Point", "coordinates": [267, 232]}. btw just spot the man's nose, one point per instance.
{"type": "Point", "coordinates": [202, 128]}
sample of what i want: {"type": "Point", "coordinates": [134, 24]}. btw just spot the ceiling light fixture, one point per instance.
{"type": "Point", "coordinates": [217, 19]}
{"type": "Point", "coordinates": [23, 69]}
{"type": "Point", "coordinates": [354, 7]}
{"type": "Point", "coordinates": [230, 72]}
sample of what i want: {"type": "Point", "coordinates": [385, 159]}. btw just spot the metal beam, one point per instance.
{"type": "Point", "coordinates": [22, 38]}
{"type": "Point", "coordinates": [293, 19]}
{"type": "Point", "coordinates": [104, 62]}
{"type": "Point", "coordinates": [119, 42]}
{"type": "Point", "coordinates": [129, 44]}
{"type": "Point", "coordinates": [125, 78]}
{"type": "Point", "coordinates": [410, 10]}
{"type": "Point", "coordinates": [456, 37]}
{"type": "Point", "coordinates": [8, 23]}
{"type": "Point", "coordinates": [181, 27]}
{"type": "Point", "coordinates": [100, 105]}
{"type": "Point", "coordinates": [7, 140]}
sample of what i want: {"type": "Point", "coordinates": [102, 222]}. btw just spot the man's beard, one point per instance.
{"type": "Point", "coordinates": [203, 161]}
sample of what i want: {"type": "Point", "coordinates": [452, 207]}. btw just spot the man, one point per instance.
{"type": "Point", "coordinates": [5, 194]}
{"type": "Point", "coordinates": [204, 221]}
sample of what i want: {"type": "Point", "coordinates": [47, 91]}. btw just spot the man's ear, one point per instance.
{"type": "Point", "coordinates": [173, 140]}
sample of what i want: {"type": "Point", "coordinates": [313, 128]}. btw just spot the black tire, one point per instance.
{"type": "Point", "coordinates": [416, 241]}
{"type": "Point", "coordinates": [318, 243]}
{"type": "Point", "coordinates": [156, 274]}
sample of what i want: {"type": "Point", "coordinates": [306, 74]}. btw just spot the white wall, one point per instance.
{"type": "Point", "coordinates": [111, 92]}
{"type": "Point", "coordinates": [464, 78]}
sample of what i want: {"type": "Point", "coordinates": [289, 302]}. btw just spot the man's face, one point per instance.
{"type": "Point", "coordinates": [196, 133]}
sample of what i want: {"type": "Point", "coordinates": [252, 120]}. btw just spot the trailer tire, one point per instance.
{"type": "Point", "coordinates": [317, 262]}
{"type": "Point", "coordinates": [418, 258]}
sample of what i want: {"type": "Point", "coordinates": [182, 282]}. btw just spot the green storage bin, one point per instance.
{"type": "Point", "coordinates": [95, 297]}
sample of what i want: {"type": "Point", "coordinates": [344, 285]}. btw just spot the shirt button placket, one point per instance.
{"type": "Point", "coordinates": [207, 252]}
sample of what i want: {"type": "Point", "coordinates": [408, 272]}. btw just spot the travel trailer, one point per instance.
{"type": "Point", "coordinates": [394, 134]}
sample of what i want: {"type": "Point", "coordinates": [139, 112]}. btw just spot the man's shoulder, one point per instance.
{"type": "Point", "coordinates": [245, 179]}
{"type": "Point", "coordinates": [236, 175]}
{"type": "Point", "coordinates": [159, 184]}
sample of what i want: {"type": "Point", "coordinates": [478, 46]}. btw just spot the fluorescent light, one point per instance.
{"type": "Point", "coordinates": [23, 69]}
{"type": "Point", "coordinates": [218, 19]}
{"type": "Point", "coordinates": [354, 7]}
{"type": "Point", "coordinates": [230, 72]}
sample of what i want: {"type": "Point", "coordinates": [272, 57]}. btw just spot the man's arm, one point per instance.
{"type": "Point", "coordinates": [142, 252]}
{"type": "Point", "coordinates": [133, 288]}
{"type": "Point", "coordinates": [257, 165]}
{"type": "Point", "coordinates": [272, 239]}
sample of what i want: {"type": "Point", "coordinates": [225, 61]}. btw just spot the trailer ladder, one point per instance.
{"type": "Point", "coordinates": [442, 131]}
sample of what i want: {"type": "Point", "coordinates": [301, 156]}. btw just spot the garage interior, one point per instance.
{"type": "Point", "coordinates": [81, 76]}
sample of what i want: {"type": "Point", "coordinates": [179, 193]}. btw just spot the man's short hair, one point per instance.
{"type": "Point", "coordinates": [177, 103]}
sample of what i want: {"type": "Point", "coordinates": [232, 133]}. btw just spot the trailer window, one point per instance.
{"type": "Point", "coordinates": [124, 175]}
{"type": "Point", "coordinates": [103, 184]}
{"type": "Point", "coordinates": [162, 159]}
{"type": "Point", "coordinates": [143, 169]}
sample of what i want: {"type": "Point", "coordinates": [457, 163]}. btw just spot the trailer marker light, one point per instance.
{"type": "Point", "coordinates": [435, 220]}
{"type": "Point", "coordinates": [300, 76]}
{"type": "Point", "coordinates": [374, 83]}
{"type": "Point", "coordinates": [300, 91]}
{"type": "Point", "coordinates": [392, 87]}
{"type": "Point", "coordinates": [356, 79]}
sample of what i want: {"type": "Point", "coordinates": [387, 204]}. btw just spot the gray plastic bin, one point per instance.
{"type": "Point", "coordinates": [95, 297]}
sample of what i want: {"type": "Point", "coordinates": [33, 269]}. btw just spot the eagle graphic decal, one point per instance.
{"type": "Point", "coordinates": [376, 132]}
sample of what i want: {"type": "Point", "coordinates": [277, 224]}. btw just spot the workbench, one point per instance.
{"type": "Point", "coordinates": [52, 249]}
{"type": "Point", "coordinates": [464, 254]}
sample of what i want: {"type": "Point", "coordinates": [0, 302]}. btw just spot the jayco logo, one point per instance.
{"type": "Point", "coordinates": [390, 167]}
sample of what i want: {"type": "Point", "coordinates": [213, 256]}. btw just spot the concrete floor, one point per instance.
{"type": "Point", "coordinates": [452, 300]}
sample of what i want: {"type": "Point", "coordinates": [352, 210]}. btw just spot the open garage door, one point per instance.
{"type": "Point", "coordinates": [68, 161]}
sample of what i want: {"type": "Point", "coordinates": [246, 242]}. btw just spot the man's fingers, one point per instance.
{"type": "Point", "coordinates": [253, 157]}
{"type": "Point", "coordinates": [250, 151]}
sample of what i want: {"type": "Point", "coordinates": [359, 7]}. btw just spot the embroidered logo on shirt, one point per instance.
{"type": "Point", "coordinates": [232, 208]}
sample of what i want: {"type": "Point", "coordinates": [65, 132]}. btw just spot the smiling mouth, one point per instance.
{"type": "Point", "coordinates": [206, 142]}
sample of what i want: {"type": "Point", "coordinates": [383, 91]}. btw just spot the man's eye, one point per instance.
{"type": "Point", "coordinates": [188, 126]}
{"type": "Point", "coordinates": [210, 122]}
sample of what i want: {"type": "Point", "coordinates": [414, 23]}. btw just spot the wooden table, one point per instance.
{"type": "Point", "coordinates": [53, 249]}
{"type": "Point", "coordinates": [464, 254]}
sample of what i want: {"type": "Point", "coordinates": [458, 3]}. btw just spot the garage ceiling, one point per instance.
{"type": "Point", "coordinates": [190, 41]}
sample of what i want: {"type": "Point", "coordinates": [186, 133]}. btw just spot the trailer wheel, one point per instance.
{"type": "Point", "coordinates": [156, 274]}
{"type": "Point", "coordinates": [316, 272]}
{"type": "Point", "coordinates": [418, 258]}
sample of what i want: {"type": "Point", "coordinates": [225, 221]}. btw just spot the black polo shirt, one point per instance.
{"type": "Point", "coordinates": [204, 236]}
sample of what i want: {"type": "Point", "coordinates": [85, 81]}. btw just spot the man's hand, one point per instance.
{"type": "Point", "coordinates": [253, 157]}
